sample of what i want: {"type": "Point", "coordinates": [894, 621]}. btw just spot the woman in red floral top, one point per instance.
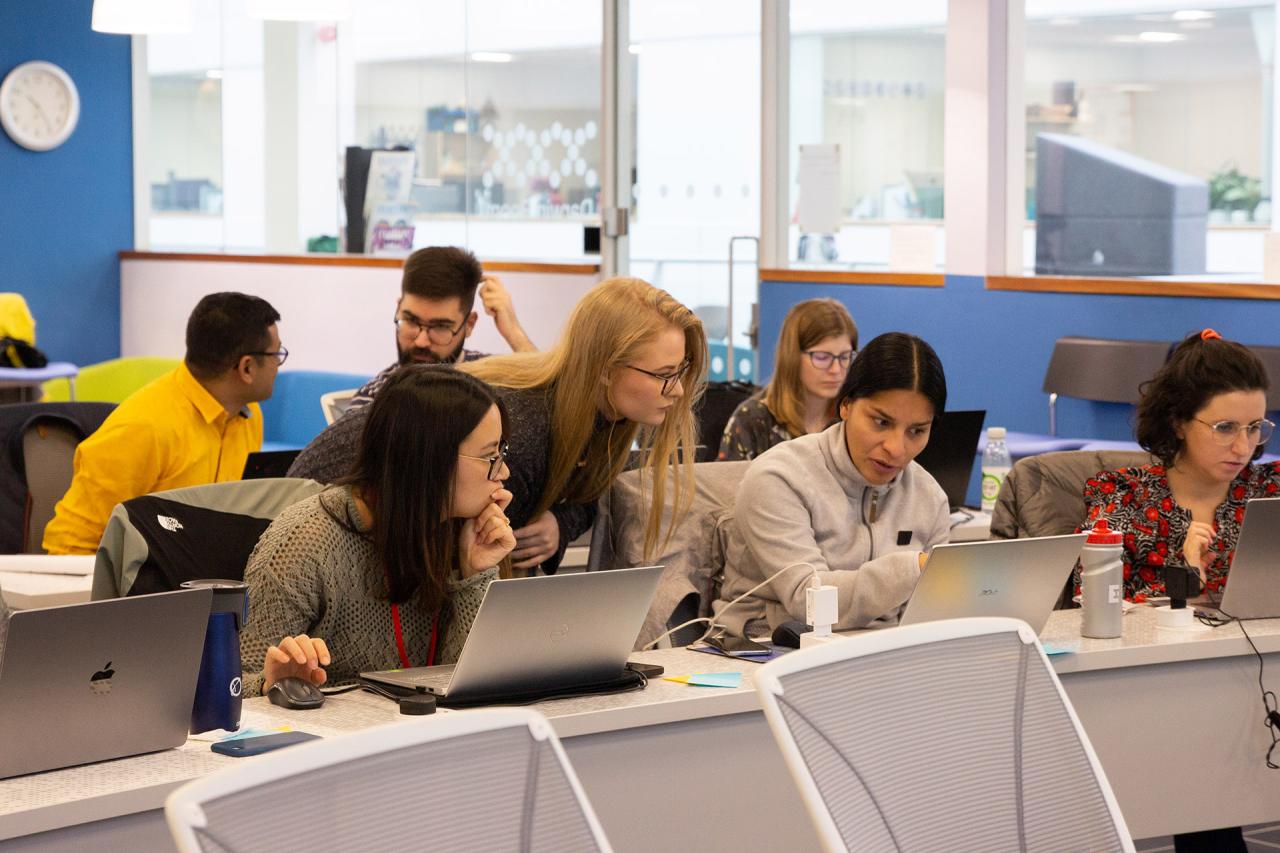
{"type": "Point", "coordinates": [1203, 417]}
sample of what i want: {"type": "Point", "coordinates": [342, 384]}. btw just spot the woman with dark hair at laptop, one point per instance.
{"type": "Point", "coordinates": [388, 568]}
{"type": "Point", "coordinates": [848, 501]}
{"type": "Point", "coordinates": [816, 345]}
{"type": "Point", "coordinates": [1203, 416]}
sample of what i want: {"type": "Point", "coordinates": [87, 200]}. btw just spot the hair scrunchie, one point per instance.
{"type": "Point", "coordinates": [1210, 335]}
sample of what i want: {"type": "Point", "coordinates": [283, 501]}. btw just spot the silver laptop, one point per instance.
{"type": "Point", "coordinates": [541, 631]}
{"type": "Point", "coordinates": [1252, 590]}
{"type": "Point", "coordinates": [106, 679]}
{"type": "Point", "coordinates": [1019, 578]}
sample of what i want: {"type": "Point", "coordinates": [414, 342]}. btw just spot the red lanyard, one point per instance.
{"type": "Point", "coordinates": [404, 654]}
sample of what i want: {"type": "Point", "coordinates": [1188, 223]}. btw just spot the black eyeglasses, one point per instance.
{"type": "Point", "coordinates": [439, 332]}
{"type": "Point", "coordinates": [1225, 432]}
{"type": "Point", "coordinates": [279, 355]}
{"type": "Point", "coordinates": [822, 359]}
{"type": "Point", "coordinates": [495, 462]}
{"type": "Point", "coordinates": [668, 379]}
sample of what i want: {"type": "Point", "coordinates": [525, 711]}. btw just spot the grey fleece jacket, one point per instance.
{"type": "Point", "coordinates": [804, 500]}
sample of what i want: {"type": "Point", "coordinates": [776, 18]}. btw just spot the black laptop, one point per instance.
{"type": "Point", "coordinates": [951, 452]}
{"type": "Point", "coordinates": [269, 463]}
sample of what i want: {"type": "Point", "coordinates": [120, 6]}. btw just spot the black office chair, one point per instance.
{"type": "Point", "coordinates": [713, 412]}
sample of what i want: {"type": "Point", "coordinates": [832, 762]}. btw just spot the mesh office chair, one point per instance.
{"type": "Point", "coordinates": [951, 735]}
{"type": "Point", "coordinates": [488, 780]}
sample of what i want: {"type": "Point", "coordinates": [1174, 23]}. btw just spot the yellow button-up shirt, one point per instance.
{"type": "Point", "coordinates": [169, 434]}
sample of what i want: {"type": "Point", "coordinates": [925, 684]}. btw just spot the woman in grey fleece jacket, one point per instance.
{"type": "Point", "coordinates": [848, 501]}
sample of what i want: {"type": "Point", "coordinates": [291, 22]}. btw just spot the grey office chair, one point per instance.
{"type": "Point", "coordinates": [1101, 369]}
{"type": "Point", "coordinates": [494, 779]}
{"type": "Point", "coordinates": [950, 735]}
{"type": "Point", "coordinates": [48, 451]}
{"type": "Point", "coordinates": [1270, 357]}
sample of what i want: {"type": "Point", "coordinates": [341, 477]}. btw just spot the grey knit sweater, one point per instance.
{"type": "Point", "coordinates": [331, 454]}
{"type": "Point", "coordinates": [804, 500]}
{"type": "Point", "coordinates": [311, 575]}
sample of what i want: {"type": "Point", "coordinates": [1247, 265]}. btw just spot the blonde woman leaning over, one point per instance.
{"type": "Point", "coordinates": [815, 348]}
{"type": "Point", "coordinates": [628, 366]}
{"type": "Point", "coordinates": [627, 369]}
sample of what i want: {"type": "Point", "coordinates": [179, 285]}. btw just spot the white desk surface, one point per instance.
{"type": "Point", "coordinates": [74, 795]}
{"type": "Point", "coordinates": [97, 792]}
{"type": "Point", "coordinates": [973, 529]}
{"type": "Point", "coordinates": [25, 590]}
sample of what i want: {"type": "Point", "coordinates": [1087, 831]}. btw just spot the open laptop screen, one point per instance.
{"type": "Point", "coordinates": [952, 449]}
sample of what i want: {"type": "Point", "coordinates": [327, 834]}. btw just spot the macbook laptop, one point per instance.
{"type": "Point", "coordinates": [949, 455]}
{"type": "Point", "coordinates": [543, 631]}
{"type": "Point", "coordinates": [1018, 578]}
{"type": "Point", "coordinates": [1252, 591]}
{"type": "Point", "coordinates": [106, 679]}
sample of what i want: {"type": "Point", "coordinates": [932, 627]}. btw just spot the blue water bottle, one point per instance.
{"type": "Point", "coordinates": [217, 702]}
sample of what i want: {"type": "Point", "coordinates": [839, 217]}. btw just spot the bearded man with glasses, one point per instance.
{"type": "Point", "coordinates": [434, 315]}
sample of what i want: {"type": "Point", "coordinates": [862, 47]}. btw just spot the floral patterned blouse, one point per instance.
{"type": "Point", "coordinates": [1138, 503]}
{"type": "Point", "coordinates": [752, 429]}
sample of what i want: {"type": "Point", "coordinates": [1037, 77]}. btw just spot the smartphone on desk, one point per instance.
{"type": "Point", "coordinates": [738, 646]}
{"type": "Point", "coordinates": [258, 744]}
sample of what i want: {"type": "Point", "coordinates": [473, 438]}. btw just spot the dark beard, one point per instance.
{"type": "Point", "coordinates": [406, 356]}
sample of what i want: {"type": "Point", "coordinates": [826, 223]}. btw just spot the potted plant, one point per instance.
{"type": "Point", "coordinates": [1234, 193]}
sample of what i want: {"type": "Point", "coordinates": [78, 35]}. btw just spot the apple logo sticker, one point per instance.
{"type": "Point", "coordinates": [100, 681]}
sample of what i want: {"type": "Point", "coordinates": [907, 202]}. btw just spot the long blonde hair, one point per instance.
{"type": "Point", "coordinates": [805, 325]}
{"type": "Point", "coordinates": [605, 331]}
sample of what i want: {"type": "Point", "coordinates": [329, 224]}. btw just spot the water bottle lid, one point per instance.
{"type": "Point", "coordinates": [1102, 534]}
{"type": "Point", "coordinates": [995, 433]}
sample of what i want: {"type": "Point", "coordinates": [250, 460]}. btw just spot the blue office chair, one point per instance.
{"type": "Point", "coordinates": [293, 415]}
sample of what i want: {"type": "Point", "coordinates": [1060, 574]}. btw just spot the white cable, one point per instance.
{"type": "Point", "coordinates": [711, 620]}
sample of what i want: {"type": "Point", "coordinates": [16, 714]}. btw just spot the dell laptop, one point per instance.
{"type": "Point", "coordinates": [1252, 589]}
{"type": "Point", "coordinates": [1018, 578]}
{"type": "Point", "coordinates": [105, 679]}
{"type": "Point", "coordinates": [949, 456]}
{"type": "Point", "coordinates": [539, 632]}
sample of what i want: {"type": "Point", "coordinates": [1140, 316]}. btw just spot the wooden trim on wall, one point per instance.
{"type": "Point", "coordinates": [335, 260]}
{"type": "Point", "coordinates": [1133, 287]}
{"type": "Point", "coordinates": [892, 279]}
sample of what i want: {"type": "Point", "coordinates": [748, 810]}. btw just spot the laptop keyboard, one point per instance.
{"type": "Point", "coordinates": [439, 677]}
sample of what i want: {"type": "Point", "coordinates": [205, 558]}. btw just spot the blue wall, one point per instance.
{"type": "Point", "coordinates": [995, 345]}
{"type": "Point", "coordinates": [65, 213]}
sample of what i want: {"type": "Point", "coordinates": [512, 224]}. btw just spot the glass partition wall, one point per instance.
{"type": "Point", "coordinates": [501, 106]}
{"type": "Point", "coordinates": [1177, 95]}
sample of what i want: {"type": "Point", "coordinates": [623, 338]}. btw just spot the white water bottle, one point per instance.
{"type": "Point", "coordinates": [995, 467]}
{"type": "Point", "coordinates": [1102, 582]}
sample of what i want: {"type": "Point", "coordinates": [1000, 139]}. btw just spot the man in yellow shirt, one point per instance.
{"type": "Point", "coordinates": [194, 426]}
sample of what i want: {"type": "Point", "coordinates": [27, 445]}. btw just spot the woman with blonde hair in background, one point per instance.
{"type": "Point", "coordinates": [626, 372]}
{"type": "Point", "coordinates": [815, 348]}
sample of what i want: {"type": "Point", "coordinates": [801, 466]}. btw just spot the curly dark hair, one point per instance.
{"type": "Point", "coordinates": [1196, 371]}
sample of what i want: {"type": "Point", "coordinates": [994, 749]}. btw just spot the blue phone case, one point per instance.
{"type": "Point", "coordinates": [243, 747]}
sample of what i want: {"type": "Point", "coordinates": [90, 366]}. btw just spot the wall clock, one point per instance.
{"type": "Point", "coordinates": [39, 105]}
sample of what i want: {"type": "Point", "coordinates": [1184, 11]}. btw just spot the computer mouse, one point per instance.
{"type": "Point", "coordinates": [788, 633]}
{"type": "Point", "coordinates": [296, 694]}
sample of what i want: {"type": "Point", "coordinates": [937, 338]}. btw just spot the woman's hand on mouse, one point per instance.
{"type": "Point", "coordinates": [487, 538]}
{"type": "Point", "coordinates": [296, 657]}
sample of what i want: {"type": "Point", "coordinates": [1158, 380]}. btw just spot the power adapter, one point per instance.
{"type": "Point", "coordinates": [821, 610]}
